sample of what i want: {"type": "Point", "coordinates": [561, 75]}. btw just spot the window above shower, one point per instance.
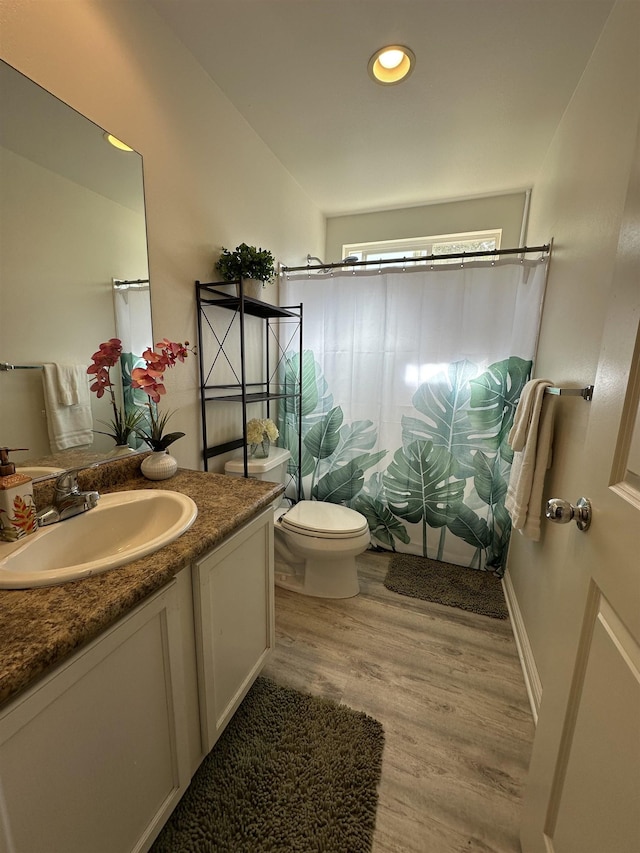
{"type": "Point", "coordinates": [414, 248]}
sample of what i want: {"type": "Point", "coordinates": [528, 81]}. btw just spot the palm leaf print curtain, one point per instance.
{"type": "Point", "coordinates": [410, 383]}
{"type": "Point", "coordinates": [132, 313]}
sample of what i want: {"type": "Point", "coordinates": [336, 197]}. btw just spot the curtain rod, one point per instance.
{"type": "Point", "coordinates": [522, 250]}
{"type": "Point", "coordinates": [136, 283]}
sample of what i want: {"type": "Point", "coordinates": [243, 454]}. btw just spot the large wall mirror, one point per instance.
{"type": "Point", "coordinates": [72, 222]}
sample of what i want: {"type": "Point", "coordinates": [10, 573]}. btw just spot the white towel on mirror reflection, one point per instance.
{"type": "Point", "coordinates": [70, 424]}
{"type": "Point", "coordinates": [531, 438]}
{"type": "Point", "coordinates": [70, 378]}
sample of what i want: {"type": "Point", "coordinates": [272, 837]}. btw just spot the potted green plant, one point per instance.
{"type": "Point", "coordinates": [246, 262]}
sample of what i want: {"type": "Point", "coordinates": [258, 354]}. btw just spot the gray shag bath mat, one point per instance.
{"type": "Point", "coordinates": [291, 772]}
{"type": "Point", "coordinates": [445, 583]}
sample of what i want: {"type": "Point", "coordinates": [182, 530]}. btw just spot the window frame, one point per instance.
{"type": "Point", "coordinates": [414, 248]}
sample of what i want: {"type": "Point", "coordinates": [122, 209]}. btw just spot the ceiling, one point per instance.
{"type": "Point", "coordinates": [491, 83]}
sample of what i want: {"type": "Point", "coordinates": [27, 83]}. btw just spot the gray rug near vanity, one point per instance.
{"type": "Point", "coordinates": [290, 772]}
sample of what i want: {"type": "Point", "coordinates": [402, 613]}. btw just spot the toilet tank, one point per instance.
{"type": "Point", "coordinates": [273, 468]}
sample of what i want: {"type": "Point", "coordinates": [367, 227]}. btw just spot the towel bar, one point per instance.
{"type": "Point", "coordinates": [4, 365]}
{"type": "Point", "coordinates": [585, 393]}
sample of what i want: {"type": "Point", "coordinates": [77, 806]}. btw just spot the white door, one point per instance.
{"type": "Point", "coordinates": [583, 792]}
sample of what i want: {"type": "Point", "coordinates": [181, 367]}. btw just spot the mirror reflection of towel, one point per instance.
{"type": "Point", "coordinates": [70, 424]}
{"type": "Point", "coordinates": [70, 378]}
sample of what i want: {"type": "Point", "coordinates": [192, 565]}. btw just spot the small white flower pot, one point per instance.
{"type": "Point", "coordinates": [159, 465]}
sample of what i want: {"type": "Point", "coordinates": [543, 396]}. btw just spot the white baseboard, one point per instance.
{"type": "Point", "coordinates": [527, 662]}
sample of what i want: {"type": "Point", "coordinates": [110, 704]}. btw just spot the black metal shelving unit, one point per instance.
{"type": "Point", "coordinates": [281, 330]}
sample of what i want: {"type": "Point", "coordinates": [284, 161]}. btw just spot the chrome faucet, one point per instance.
{"type": "Point", "coordinates": [68, 500]}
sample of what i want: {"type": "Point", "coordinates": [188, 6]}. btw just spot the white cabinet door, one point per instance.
{"type": "Point", "coordinates": [94, 757]}
{"type": "Point", "coordinates": [234, 619]}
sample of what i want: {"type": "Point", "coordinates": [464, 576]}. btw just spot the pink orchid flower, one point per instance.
{"type": "Point", "coordinates": [149, 378]}
{"type": "Point", "coordinates": [108, 354]}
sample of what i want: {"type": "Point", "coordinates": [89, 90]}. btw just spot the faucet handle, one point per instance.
{"type": "Point", "coordinates": [68, 480]}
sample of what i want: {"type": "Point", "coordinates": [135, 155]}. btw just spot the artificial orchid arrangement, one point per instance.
{"type": "Point", "coordinates": [150, 380]}
{"type": "Point", "coordinates": [261, 429]}
{"type": "Point", "coordinates": [122, 424]}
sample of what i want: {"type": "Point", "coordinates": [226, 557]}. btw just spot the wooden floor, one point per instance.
{"type": "Point", "coordinates": [448, 689]}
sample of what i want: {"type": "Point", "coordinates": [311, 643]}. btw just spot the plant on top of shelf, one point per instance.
{"type": "Point", "coordinates": [248, 262]}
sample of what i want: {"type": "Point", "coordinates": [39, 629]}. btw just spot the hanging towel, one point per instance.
{"type": "Point", "coordinates": [69, 424]}
{"type": "Point", "coordinates": [70, 378]}
{"type": "Point", "coordinates": [531, 439]}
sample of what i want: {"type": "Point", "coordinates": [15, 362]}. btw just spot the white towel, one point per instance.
{"type": "Point", "coordinates": [531, 438]}
{"type": "Point", "coordinates": [70, 378]}
{"type": "Point", "coordinates": [69, 425]}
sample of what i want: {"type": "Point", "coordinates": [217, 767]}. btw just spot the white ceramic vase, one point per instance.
{"type": "Point", "coordinates": [120, 450]}
{"type": "Point", "coordinates": [159, 465]}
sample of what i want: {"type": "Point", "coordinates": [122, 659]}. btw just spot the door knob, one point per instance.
{"type": "Point", "coordinates": [562, 512]}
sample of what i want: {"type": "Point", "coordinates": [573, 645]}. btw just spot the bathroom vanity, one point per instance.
{"type": "Point", "coordinates": [114, 688]}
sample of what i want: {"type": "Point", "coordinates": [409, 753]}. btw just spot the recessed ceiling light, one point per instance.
{"type": "Point", "coordinates": [117, 143]}
{"type": "Point", "coordinates": [391, 64]}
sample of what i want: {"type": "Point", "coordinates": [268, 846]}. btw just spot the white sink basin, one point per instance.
{"type": "Point", "coordinates": [124, 526]}
{"type": "Point", "coordinates": [35, 471]}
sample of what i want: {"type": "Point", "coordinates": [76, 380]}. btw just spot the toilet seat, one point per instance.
{"type": "Point", "coordinates": [324, 520]}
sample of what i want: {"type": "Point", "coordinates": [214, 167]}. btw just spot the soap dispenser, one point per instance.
{"type": "Point", "coordinates": [17, 510]}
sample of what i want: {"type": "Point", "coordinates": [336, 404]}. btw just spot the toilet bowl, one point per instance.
{"type": "Point", "coordinates": [316, 543]}
{"type": "Point", "coordinates": [320, 542]}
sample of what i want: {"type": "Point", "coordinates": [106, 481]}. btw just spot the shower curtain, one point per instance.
{"type": "Point", "coordinates": [410, 382]}
{"type": "Point", "coordinates": [132, 312]}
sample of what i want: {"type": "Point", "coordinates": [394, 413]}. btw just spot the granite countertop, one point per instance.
{"type": "Point", "coordinates": [42, 626]}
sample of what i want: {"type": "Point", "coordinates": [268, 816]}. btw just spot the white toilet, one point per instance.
{"type": "Point", "coordinates": [316, 543]}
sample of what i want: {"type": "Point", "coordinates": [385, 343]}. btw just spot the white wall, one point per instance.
{"type": "Point", "coordinates": [578, 200]}
{"type": "Point", "coordinates": [209, 180]}
{"type": "Point", "coordinates": [473, 214]}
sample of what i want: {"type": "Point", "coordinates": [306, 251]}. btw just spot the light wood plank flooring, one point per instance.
{"type": "Point", "coordinates": [448, 689]}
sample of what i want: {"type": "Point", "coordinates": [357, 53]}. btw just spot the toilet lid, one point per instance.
{"type": "Point", "coordinates": [317, 518]}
